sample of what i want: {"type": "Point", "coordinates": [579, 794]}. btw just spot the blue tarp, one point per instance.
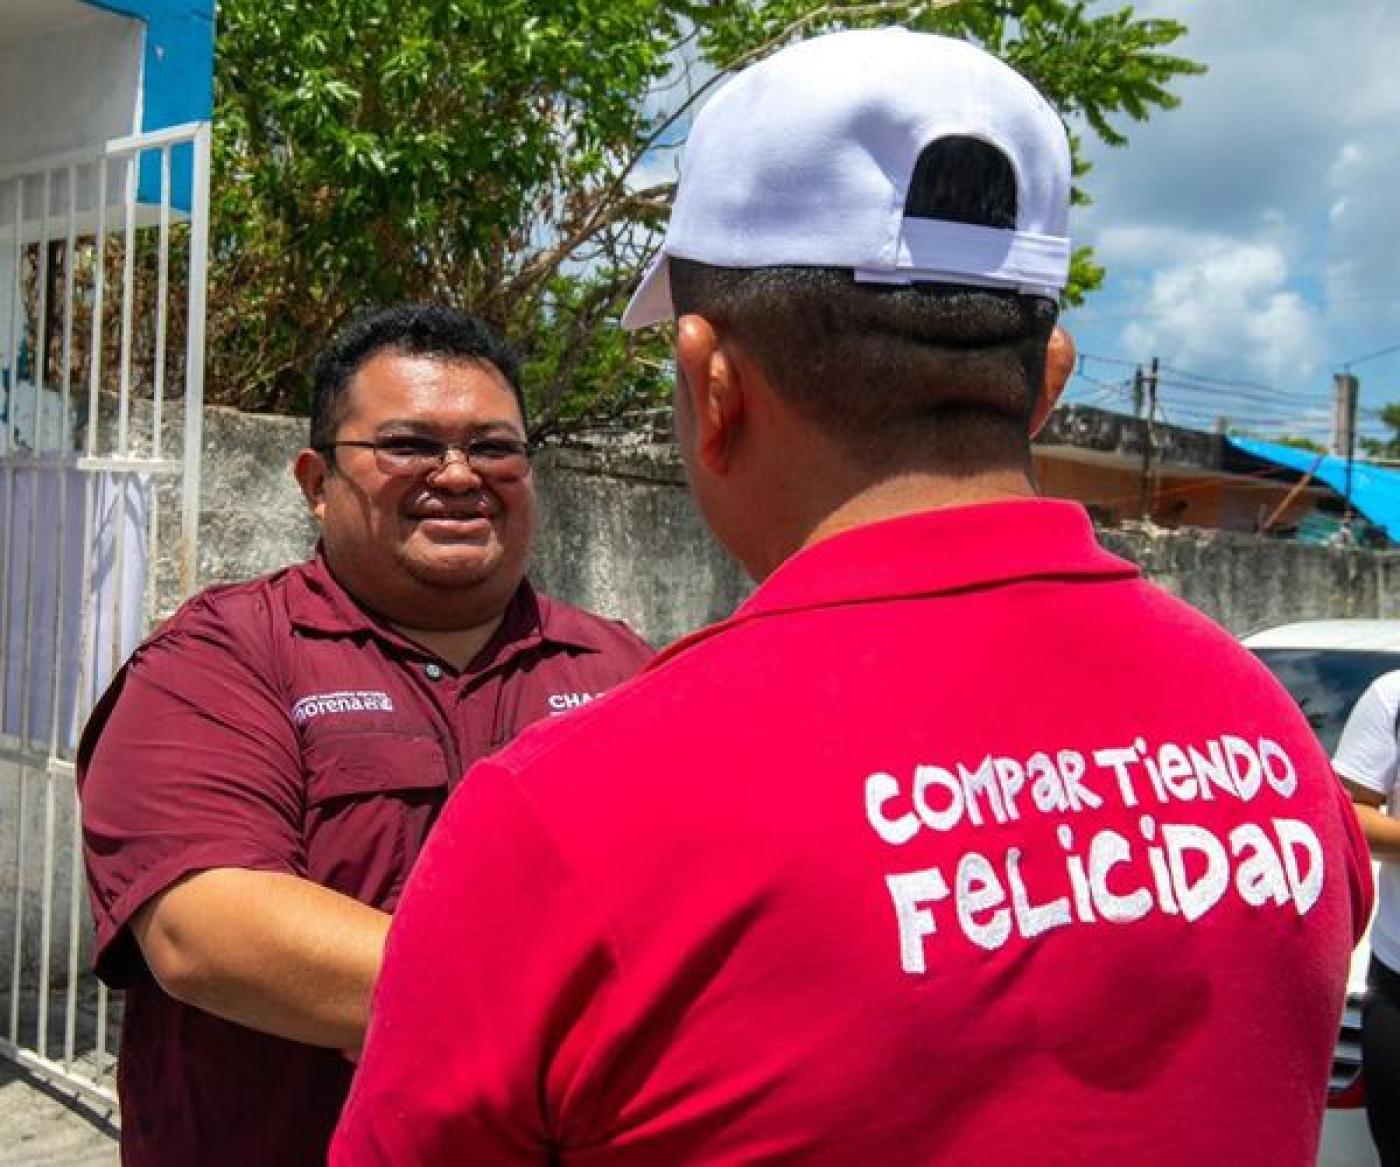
{"type": "Point", "coordinates": [1375, 491]}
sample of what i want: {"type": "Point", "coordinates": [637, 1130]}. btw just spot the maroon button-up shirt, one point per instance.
{"type": "Point", "coordinates": [274, 725]}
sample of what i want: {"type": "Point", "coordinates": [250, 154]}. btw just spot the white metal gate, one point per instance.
{"type": "Point", "coordinates": [102, 287]}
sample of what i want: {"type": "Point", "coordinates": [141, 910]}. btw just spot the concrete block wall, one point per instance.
{"type": "Point", "coordinates": [252, 518]}
{"type": "Point", "coordinates": [618, 534]}
{"type": "Point", "coordinates": [1247, 583]}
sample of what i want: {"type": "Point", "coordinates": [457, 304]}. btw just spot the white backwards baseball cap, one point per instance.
{"type": "Point", "coordinates": [805, 158]}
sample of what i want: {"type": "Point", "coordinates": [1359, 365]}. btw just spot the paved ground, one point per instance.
{"type": "Point", "coordinates": [1345, 1141]}
{"type": "Point", "coordinates": [42, 1127]}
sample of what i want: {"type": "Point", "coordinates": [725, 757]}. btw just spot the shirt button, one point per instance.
{"type": "Point", "coordinates": [433, 670]}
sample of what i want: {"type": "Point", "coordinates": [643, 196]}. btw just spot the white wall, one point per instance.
{"type": "Point", "coordinates": [70, 76]}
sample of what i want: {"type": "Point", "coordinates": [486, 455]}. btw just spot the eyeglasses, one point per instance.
{"type": "Point", "coordinates": [404, 456]}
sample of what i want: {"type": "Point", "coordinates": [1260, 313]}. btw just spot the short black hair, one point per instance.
{"type": "Point", "coordinates": [420, 330]}
{"type": "Point", "coordinates": [900, 375]}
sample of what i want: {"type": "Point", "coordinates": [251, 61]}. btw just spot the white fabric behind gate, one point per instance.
{"type": "Point", "coordinates": [66, 624]}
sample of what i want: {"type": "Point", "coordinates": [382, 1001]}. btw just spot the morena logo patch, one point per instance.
{"type": "Point", "coordinates": [346, 701]}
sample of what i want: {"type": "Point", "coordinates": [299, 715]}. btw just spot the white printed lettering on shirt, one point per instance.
{"type": "Point", "coordinates": [345, 701]}
{"type": "Point", "coordinates": [1175, 868]}
{"type": "Point", "coordinates": [563, 702]}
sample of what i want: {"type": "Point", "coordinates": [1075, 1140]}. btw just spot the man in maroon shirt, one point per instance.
{"type": "Point", "coordinates": [259, 779]}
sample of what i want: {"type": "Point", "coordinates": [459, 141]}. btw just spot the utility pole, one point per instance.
{"type": "Point", "coordinates": [1346, 390]}
{"type": "Point", "coordinates": [1145, 395]}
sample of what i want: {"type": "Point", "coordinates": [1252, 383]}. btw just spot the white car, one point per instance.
{"type": "Point", "coordinates": [1326, 665]}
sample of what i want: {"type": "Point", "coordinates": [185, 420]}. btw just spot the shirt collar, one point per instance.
{"type": "Point", "coordinates": [932, 553]}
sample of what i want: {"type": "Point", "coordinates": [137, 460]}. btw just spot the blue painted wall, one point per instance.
{"type": "Point", "coordinates": [179, 65]}
{"type": "Point", "coordinates": [177, 80]}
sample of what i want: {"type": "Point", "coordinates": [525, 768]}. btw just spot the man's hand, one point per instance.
{"type": "Point", "coordinates": [270, 951]}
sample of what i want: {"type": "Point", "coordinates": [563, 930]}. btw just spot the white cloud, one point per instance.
{"type": "Point", "coordinates": [1251, 233]}
{"type": "Point", "coordinates": [1362, 240]}
{"type": "Point", "coordinates": [1226, 303]}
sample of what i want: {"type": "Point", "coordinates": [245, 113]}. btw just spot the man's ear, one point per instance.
{"type": "Point", "coordinates": [311, 472]}
{"type": "Point", "coordinates": [709, 376]}
{"type": "Point", "coordinates": [1059, 364]}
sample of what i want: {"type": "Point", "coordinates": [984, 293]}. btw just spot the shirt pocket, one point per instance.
{"type": "Point", "coordinates": [370, 801]}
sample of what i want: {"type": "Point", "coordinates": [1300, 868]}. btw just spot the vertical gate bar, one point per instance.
{"type": "Point", "coordinates": [61, 742]}
{"type": "Point", "coordinates": [28, 697]}
{"type": "Point", "coordinates": [122, 482]}
{"type": "Point", "coordinates": [46, 913]}
{"type": "Point", "coordinates": [87, 612]}
{"type": "Point", "coordinates": [11, 428]}
{"type": "Point", "coordinates": [128, 296]}
{"type": "Point", "coordinates": [103, 1001]}
{"type": "Point", "coordinates": [60, 697]}
{"type": "Point", "coordinates": [194, 361]}
{"type": "Point", "coordinates": [6, 550]}
{"type": "Point", "coordinates": [12, 351]}
{"type": "Point", "coordinates": [22, 813]}
{"type": "Point", "coordinates": [8, 646]}
{"type": "Point", "coordinates": [162, 294]}
{"type": "Point", "coordinates": [75, 941]}
{"type": "Point", "coordinates": [87, 616]}
{"type": "Point", "coordinates": [6, 560]}
{"type": "Point", "coordinates": [24, 646]}
{"type": "Point", "coordinates": [70, 246]}
{"type": "Point", "coordinates": [42, 468]}
{"type": "Point", "coordinates": [90, 646]}
{"type": "Point", "coordinates": [87, 661]}
{"type": "Point", "coordinates": [154, 585]}
{"type": "Point", "coordinates": [7, 446]}
{"type": "Point", "coordinates": [41, 320]}
{"type": "Point", "coordinates": [99, 289]}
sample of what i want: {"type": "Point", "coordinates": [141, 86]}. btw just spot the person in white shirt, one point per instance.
{"type": "Point", "coordinates": [1368, 762]}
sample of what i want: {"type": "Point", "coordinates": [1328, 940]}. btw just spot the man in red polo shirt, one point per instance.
{"type": "Point", "coordinates": [259, 779]}
{"type": "Point", "coordinates": [959, 842]}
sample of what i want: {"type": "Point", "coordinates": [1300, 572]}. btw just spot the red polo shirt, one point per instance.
{"type": "Point", "coordinates": [274, 725]}
{"type": "Point", "coordinates": [958, 843]}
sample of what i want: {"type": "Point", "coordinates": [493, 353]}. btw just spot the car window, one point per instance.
{"type": "Point", "coordinates": [1326, 682]}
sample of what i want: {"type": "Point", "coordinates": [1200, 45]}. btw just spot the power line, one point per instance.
{"type": "Point", "coordinates": [1381, 352]}
{"type": "Point", "coordinates": [1237, 384]}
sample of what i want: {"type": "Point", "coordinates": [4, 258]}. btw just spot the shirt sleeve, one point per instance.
{"type": "Point", "coordinates": [189, 762]}
{"type": "Point", "coordinates": [496, 976]}
{"type": "Point", "coordinates": [1367, 751]}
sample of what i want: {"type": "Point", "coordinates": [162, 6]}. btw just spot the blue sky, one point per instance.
{"type": "Point", "coordinates": [1252, 236]}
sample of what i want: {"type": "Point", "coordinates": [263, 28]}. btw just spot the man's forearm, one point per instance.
{"type": "Point", "coordinates": [270, 951]}
{"type": "Point", "coordinates": [1381, 830]}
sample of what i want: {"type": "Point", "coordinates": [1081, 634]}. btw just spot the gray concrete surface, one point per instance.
{"type": "Point", "coordinates": [618, 534]}
{"type": "Point", "coordinates": [42, 1127]}
{"type": "Point", "coordinates": [1346, 1141]}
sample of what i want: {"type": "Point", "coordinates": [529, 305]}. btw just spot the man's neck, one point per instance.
{"type": "Point", "coordinates": [888, 498]}
{"type": "Point", "coordinates": [912, 493]}
{"type": "Point", "coordinates": [457, 646]}
{"type": "Point", "coordinates": [453, 623]}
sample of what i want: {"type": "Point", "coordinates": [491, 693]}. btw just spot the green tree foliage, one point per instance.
{"type": "Point", "coordinates": [1311, 445]}
{"type": "Point", "coordinates": [1388, 448]}
{"type": "Point", "coordinates": [495, 154]}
